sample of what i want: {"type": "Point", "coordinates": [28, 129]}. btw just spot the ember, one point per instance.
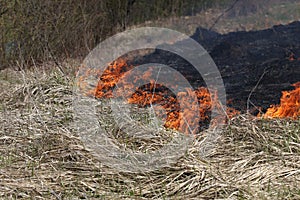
{"type": "Point", "coordinates": [289, 105]}
{"type": "Point", "coordinates": [292, 57]}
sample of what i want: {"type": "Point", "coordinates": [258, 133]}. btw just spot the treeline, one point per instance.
{"type": "Point", "coordinates": [41, 30]}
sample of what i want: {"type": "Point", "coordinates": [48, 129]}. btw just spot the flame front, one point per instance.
{"type": "Point", "coordinates": [289, 105]}
{"type": "Point", "coordinates": [177, 114]}
{"type": "Point", "coordinates": [166, 104]}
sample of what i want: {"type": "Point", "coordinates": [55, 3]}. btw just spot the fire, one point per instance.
{"type": "Point", "coordinates": [166, 105]}
{"type": "Point", "coordinates": [289, 105]}
{"type": "Point", "coordinates": [110, 78]}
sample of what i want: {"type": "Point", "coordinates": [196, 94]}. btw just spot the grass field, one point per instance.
{"type": "Point", "coordinates": [41, 158]}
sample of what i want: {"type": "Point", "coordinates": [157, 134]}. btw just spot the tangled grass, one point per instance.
{"type": "Point", "coordinates": [41, 157]}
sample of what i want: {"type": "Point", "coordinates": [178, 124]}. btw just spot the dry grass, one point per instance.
{"type": "Point", "coordinates": [41, 158]}
{"type": "Point", "coordinates": [268, 15]}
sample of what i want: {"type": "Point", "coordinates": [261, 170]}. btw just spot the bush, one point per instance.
{"type": "Point", "coordinates": [43, 30]}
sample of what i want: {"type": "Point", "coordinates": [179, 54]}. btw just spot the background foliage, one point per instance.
{"type": "Point", "coordinates": [41, 30]}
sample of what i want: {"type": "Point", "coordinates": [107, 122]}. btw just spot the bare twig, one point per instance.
{"type": "Point", "coordinates": [253, 89]}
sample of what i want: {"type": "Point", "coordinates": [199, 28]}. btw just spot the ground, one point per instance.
{"type": "Point", "coordinates": [42, 158]}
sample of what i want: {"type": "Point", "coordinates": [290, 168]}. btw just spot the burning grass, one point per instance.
{"type": "Point", "coordinates": [41, 158]}
{"type": "Point", "coordinates": [181, 111]}
{"type": "Point", "coordinates": [289, 104]}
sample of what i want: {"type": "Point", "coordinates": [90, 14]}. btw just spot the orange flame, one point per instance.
{"type": "Point", "coordinates": [289, 105]}
{"type": "Point", "coordinates": [176, 115]}
{"type": "Point", "coordinates": [110, 78]}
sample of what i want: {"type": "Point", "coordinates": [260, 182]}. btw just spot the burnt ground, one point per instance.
{"type": "Point", "coordinates": [256, 66]}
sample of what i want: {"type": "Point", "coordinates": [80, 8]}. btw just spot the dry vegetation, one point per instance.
{"type": "Point", "coordinates": [55, 29]}
{"type": "Point", "coordinates": [41, 158]}
{"type": "Point", "coordinates": [267, 14]}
